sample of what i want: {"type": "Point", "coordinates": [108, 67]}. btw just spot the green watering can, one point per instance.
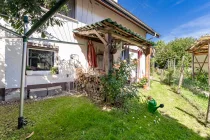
{"type": "Point", "coordinates": [152, 106]}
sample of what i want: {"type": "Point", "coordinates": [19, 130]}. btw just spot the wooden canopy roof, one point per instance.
{"type": "Point", "coordinates": [200, 47]}
{"type": "Point", "coordinates": [118, 32]}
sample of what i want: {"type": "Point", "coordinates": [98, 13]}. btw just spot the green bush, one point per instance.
{"type": "Point", "coordinates": [142, 82]}
{"type": "Point", "coordinates": [54, 70]}
{"type": "Point", "coordinates": [169, 76]}
{"type": "Point", "coordinates": [117, 89]}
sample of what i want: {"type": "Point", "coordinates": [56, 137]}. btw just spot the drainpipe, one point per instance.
{"type": "Point", "coordinates": [21, 120]}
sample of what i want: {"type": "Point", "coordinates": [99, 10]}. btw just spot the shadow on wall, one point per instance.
{"type": "Point", "coordinates": [13, 61]}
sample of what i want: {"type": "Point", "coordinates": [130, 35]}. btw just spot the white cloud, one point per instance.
{"type": "Point", "coordinates": [178, 2]}
{"type": "Point", "coordinates": [205, 6]}
{"type": "Point", "coordinates": [194, 28]}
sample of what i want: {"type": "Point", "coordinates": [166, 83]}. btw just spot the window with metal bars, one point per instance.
{"type": "Point", "coordinates": [40, 60]}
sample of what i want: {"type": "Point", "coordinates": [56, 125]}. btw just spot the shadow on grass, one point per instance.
{"type": "Point", "coordinates": [198, 120]}
{"type": "Point", "coordinates": [78, 118]}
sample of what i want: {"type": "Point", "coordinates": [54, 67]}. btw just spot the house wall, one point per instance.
{"type": "Point", "coordinates": [142, 62]}
{"type": "Point", "coordinates": [10, 62]}
{"type": "Point", "coordinates": [86, 13]}
{"type": "Point", "coordinates": [2, 68]}
{"type": "Point", "coordinates": [201, 59]}
{"type": "Point", "coordinates": [2, 63]}
{"type": "Point", "coordinates": [89, 11]}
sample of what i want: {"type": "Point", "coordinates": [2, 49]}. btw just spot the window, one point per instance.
{"type": "Point", "coordinates": [41, 59]}
{"type": "Point", "coordinates": [71, 9]}
{"type": "Point", "coordinates": [125, 53]}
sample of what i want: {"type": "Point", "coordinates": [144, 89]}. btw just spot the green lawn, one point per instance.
{"type": "Point", "coordinates": [78, 118]}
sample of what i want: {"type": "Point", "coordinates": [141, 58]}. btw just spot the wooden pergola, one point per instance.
{"type": "Point", "coordinates": [202, 47]}
{"type": "Point", "coordinates": [108, 30]}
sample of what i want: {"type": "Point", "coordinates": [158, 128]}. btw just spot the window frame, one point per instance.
{"type": "Point", "coordinates": [74, 10]}
{"type": "Point", "coordinates": [42, 72]}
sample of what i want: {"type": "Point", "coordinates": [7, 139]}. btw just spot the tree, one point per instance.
{"type": "Point", "coordinates": [13, 11]}
{"type": "Point", "coordinates": [179, 47]}
{"type": "Point", "coordinates": [175, 49]}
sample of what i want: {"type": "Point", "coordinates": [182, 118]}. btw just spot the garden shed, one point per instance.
{"type": "Point", "coordinates": [200, 61]}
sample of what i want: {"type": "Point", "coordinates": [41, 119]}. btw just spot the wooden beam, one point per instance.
{"type": "Point", "coordinates": [100, 37]}
{"type": "Point", "coordinates": [201, 53]}
{"type": "Point", "coordinates": [198, 62]}
{"type": "Point", "coordinates": [208, 110]}
{"type": "Point", "coordinates": [203, 63]}
{"type": "Point", "coordinates": [127, 40]}
{"type": "Point", "coordinates": [147, 73]}
{"type": "Point", "coordinates": [181, 76]}
{"type": "Point", "coordinates": [107, 55]}
{"type": "Point", "coordinates": [87, 38]}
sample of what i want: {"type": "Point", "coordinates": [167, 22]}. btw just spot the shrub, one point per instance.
{"type": "Point", "coordinates": [28, 68]}
{"type": "Point", "coordinates": [169, 77]}
{"type": "Point", "coordinates": [54, 70]}
{"type": "Point", "coordinates": [116, 86]}
{"type": "Point", "coordinates": [142, 82]}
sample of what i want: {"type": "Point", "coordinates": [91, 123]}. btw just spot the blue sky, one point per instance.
{"type": "Point", "coordinates": [172, 18]}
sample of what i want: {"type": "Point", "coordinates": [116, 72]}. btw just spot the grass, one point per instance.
{"type": "Point", "coordinates": [78, 118]}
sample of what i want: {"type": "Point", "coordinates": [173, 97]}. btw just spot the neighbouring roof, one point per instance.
{"type": "Point", "coordinates": [119, 8]}
{"type": "Point", "coordinates": [118, 31]}
{"type": "Point", "coordinates": [200, 46]}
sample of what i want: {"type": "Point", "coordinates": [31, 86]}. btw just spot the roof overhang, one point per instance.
{"type": "Point", "coordinates": [99, 29]}
{"type": "Point", "coordinates": [200, 47]}
{"type": "Point", "coordinates": [114, 6]}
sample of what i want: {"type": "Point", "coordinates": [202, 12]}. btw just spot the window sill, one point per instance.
{"type": "Point", "coordinates": [37, 73]}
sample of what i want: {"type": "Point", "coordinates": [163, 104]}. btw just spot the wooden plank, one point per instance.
{"type": "Point", "coordinates": [127, 40]}
{"type": "Point", "coordinates": [208, 110]}
{"type": "Point", "coordinates": [107, 55]}
{"type": "Point", "coordinates": [203, 63]}
{"type": "Point", "coordinates": [100, 37]}
{"type": "Point", "coordinates": [197, 62]}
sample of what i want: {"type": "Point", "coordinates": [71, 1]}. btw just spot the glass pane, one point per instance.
{"type": "Point", "coordinates": [41, 60]}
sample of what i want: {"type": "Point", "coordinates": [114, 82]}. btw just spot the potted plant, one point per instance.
{"type": "Point", "coordinates": [113, 50]}
{"type": "Point", "coordinates": [29, 71]}
{"type": "Point", "coordinates": [54, 70]}
{"type": "Point", "coordinates": [144, 81]}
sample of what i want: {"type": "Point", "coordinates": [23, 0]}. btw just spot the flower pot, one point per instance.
{"type": "Point", "coordinates": [145, 87]}
{"type": "Point", "coordinates": [29, 72]}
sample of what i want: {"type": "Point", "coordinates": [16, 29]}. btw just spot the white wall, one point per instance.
{"type": "Point", "coordinates": [142, 70]}
{"type": "Point", "coordinates": [13, 58]}
{"type": "Point", "coordinates": [10, 60]}
{"type": "Point", "coordinates": [2, 63]}
{"type": "Point", "coordinates": [86, 13]}
{"type": "Point", "coordinates": [89, 13]}
{"type": "Point", "coordinates": [142, 62]}
{"type": "Point", "coordinates": [201, 59]}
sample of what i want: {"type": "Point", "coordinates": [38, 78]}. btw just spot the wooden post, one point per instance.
{"type": "Point", "coordinates": [153, 66]}
{"type": "Point", "coordinates": [148, 50]}
{"type": "Point", "coordinates": [181, 76]}
{"type": "Point", "coordinates": [168, 64]}
{"type": "Point", "coordinates": [193, 66]}
{"type": "Point", "coordinates": [208, 110]}
{"type": "Point", "coordinates": [162, 75]}
{"type": "Point", "coordinates": [174, 65]}
{"type": "Point", "coordinates": [107, 55]}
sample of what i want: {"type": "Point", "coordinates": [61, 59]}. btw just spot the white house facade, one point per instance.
{"type": "Point", "coordinates": [42, 55]}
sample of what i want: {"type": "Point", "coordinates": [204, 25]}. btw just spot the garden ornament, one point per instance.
{"type": "Point", "coordinates": [152, 105]}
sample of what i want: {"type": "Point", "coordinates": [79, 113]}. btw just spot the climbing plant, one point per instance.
{"type": "Point", "coordinates": [117, 89]}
